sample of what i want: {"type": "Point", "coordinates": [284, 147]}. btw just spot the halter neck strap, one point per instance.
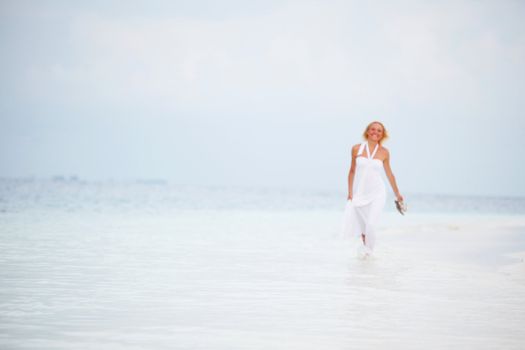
{"type": "Point", "coordinates": [368, 150]}
{"type": "Point", "coordinates": [361, 148]}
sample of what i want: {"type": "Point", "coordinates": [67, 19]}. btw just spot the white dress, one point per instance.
{"type": "Point", "coordinates": [363, 212]}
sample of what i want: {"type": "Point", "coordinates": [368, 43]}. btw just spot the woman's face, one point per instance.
{"type": "Point", "coordinates": [375, 132]}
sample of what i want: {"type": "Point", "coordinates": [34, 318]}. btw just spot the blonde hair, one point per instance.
{"type": "Point", "coordinates": [385, 133]}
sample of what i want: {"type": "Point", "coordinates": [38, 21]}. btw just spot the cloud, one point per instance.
{"type": "Point", "coordinates": [314, 71]}
{"type": "Point", "coordinates": [335, 53]}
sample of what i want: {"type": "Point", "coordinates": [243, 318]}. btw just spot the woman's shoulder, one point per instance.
{"type": "Point", "coordinates": [385, 151]}
{"type": "Point", "coordinates": [355, 149]}
{"type": "Point", "coordinates": [356, 146]}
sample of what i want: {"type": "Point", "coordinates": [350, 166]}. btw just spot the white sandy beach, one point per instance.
{"type": "Point", "coordinates": [260, 280]}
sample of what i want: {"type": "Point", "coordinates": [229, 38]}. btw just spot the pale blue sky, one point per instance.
{"type": "Point", "coordinates": [269, 93]}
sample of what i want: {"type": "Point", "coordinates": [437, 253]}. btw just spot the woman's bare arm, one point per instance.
{"type": "Point", "coordinates": [351, 173]}
{"type": "Point", "coordinates": [391, 177]}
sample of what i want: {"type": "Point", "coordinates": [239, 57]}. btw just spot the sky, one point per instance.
{"type": "Point", "coordinates": [264, 93]}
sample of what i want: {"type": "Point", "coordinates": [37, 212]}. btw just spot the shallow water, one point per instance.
{"type": "Point", "coordinates": [232, 278]}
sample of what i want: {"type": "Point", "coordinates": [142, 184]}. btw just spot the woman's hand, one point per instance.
{"type": "Point", "coordinates": [350, 196]}
{"type": "Point", "coordinates": [399, 197]}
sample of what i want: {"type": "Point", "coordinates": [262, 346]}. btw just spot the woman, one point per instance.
{"type": "Point", "coordinates": [366, 189]}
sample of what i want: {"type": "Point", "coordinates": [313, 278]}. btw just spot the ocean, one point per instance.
{"type": "Point", "coordinates": [156, 196]}
{"type": "Point", "coordinates": [148, 264]}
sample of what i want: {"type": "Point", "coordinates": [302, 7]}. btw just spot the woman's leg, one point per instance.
{"type": "Point", "coordinates": [373, 215]}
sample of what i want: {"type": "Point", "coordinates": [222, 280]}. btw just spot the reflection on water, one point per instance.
{"type": "Point", "coordinates": [136, 266]}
